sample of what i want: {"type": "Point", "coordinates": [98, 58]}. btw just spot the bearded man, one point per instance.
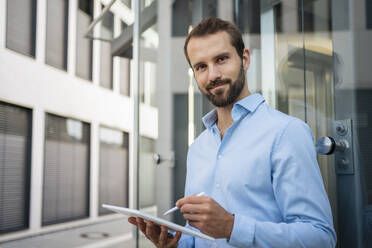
{"type": "Point", "coordinates": [256, 165]}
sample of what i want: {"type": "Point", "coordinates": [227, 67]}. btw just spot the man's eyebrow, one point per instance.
{"type": "Point", "coordinates": [222, 55]}
{"type": "Point", "coordinates": [214, 58]}
{"type": "Point", "coordinates": [196, 64]}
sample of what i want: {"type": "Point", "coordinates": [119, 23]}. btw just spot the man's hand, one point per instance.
{"type": "Point", "coordinates": [158, 235]}
{"type": "Point", "coordinates": [207, 215]}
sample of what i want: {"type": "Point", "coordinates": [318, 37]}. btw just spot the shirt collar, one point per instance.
{"type": "Point", "coordinates": [247, 104]}
{"type": "Point", "coordinates": [250, 102]}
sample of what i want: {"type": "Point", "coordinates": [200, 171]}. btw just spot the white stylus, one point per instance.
{"type": "Point", "coordinates": [176, 208]}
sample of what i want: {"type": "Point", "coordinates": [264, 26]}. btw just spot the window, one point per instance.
{"type": "Point", "coordinates": [84, 46]}
{"type": "Point", "coordinates": [124, 71]}
{"type": "Point", "coordinates": [56, 33]}
{"type": "Point", "coordinates": [21, 26]}
{"type": "Point", "coordinates": [106, 58]}
{"type": "Point", "coordinates": [147, 171]}
{"type": "Point", "coordinates": [125, 76]}
{"type": "Point", "coordinates": [113, 172]}
{"type": "Point", "coordinates": [369, 14]}
{"type": "Point", "coordinates": [15, 153]}
{"type": "Point", "coordinates": [66, 170]}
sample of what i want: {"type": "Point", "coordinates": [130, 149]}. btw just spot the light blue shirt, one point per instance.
{"type": "Point", "coordinates": [265, 172]}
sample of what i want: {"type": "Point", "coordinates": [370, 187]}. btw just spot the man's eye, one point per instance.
{"type": "Point", "coordinates": [200, 67]}
{"type": "Point", "coordinates": [221, 59]}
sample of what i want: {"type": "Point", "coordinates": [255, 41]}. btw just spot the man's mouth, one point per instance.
{"type": "Point", "coordinates": [215, 85]}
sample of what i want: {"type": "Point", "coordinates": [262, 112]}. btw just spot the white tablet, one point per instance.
{"type": "Point", "coordinates": [159, 221]}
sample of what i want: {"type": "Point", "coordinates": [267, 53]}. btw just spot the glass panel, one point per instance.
{"type": "Point", "coordinates": [125, 68]}
{"type": "Point", "coordinates": [66, 170]}
{"type": "Point", "coordinates": [319, 108]}
{"type": "Point", "coordinates": [147, 170]}
{"type": "Point", "coordinates": [107, 32]}
{"type": "Point", "coordinates": [352, 36]}
{"type": "Point", "coordinates": [15, 153]}
{"type": "Point", "coordinates": [292, 65]}
{"type": "Point", "coordinates": [21, 26]}
{"type": "Point", "coordinates": [84, 46]}
{"type": "Point", "coordinates": [113, 167]}
{"type": "Point", "coordinates": [57, 33]}
{"type": "Point", "coordinates": [149, 177]}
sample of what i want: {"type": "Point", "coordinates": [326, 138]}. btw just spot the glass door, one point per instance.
{"type": "Point", "coordinates": [352, 128]}
{"type": "Point", "coordinates": [315, 65]}
{"type": "Point", "coordinates": [156, 156]}
{"type": "Point", "coordinates": [297, 69]}
{"type": "Point", "coordinates": [148, 179]}
{"type": "Point", "coordinates": [338, 104]}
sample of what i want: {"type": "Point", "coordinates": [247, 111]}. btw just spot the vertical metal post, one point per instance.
{"type": "Point", "coordinates": [135, 96]}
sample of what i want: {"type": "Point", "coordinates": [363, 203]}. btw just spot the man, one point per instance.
{"type": "Point", "coordinates": [257, 166]}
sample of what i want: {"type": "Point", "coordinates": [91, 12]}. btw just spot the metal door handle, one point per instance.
{"type": "Point", "coordinates": [158, 159]}
{"type": "Point", "coordinates": [327, 145]}
{"type": "Point", "coordinates": [341, 145]}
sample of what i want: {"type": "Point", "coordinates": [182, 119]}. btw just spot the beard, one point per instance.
{"type": "Point", "coordinates": [233, 92]}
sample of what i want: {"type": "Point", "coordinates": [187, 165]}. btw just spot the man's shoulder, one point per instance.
{"type": "Point", "coordinates": [273, 118]}
{"type": "Point", "coordinates": [282, 122]}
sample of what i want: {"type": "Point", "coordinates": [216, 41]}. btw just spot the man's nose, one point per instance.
{"type": "Point", "coordinates": [214, 73]}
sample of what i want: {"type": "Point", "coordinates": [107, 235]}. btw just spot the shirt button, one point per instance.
{"type": "Point", "coordinates": [219, 156]}
{"type": "Point", "coordinates": [217, 185]}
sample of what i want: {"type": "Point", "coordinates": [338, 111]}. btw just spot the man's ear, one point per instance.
{"type": "Point", "coordinates": [246, 58]}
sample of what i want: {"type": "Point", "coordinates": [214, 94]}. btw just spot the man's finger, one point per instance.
{"type": "Point", "coordinates": [193, 208]}
{"type": "Point", "coordinates": [152, 231]}
{"type": "Point", "coordinates": [193, 199]}
{"type": "Point", "coordinates": [175, 239]}
{"type": "Point", "coordinates": [163, 236]}
{"type": "Point", "coordinates": [132, 221]}
{"type": "Point", "coordinates": [196, 224]}
{"type": "Point", "coordinates": [141, 225]}
{"type": "Point", "coordinates": [193, 217]}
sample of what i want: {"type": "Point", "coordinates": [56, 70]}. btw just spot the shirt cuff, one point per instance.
{"type": "Point", "coordinates": [243, 231]}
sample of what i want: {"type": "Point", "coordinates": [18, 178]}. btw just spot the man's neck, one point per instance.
{"type": "Point", "coordinates": [225, 120]}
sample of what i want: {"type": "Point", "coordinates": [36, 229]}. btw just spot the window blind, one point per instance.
{"type": "Point", "coordinates": [113, 172]}
{"type": "Point", "coordinates": [83, 45]}
{"type": "Point", "coordinates": [21, 26]}
{"type": "Point", "coordinates": [15, 151]}
{"type": "Point", "coordinates": [66, 170]}
{"type": "Point", "coordinates": [57, 33]}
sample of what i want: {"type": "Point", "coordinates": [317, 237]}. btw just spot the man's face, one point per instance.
{"type": "Point", "coordinates": [218, 69]}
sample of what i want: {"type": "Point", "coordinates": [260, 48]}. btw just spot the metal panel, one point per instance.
{"type": "Point", "coordinates": [344, 154]}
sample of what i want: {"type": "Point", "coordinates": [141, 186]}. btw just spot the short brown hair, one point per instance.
{"type": "Point", "coordinates": [212, 26]}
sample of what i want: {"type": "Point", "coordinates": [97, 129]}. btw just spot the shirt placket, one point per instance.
{"type": "Point", "coordinates": [221, 157]}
